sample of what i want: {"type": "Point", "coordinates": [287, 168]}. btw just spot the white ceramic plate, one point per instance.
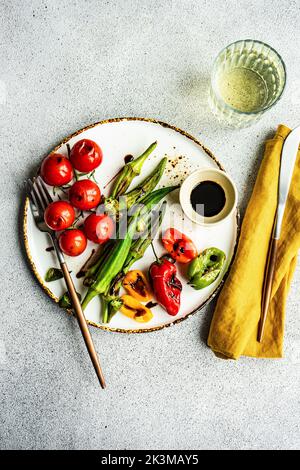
{"type": "Point", "coordinates": [118, 138]}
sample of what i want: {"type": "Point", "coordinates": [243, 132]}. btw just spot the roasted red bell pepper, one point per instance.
{"type": "Point", "coordinates": [180, 247]}
{"type": "Point", "coordinates": [166, 286]}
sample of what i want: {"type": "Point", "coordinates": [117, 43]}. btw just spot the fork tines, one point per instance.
{"type": "Point", "coordinates": [38, 194]}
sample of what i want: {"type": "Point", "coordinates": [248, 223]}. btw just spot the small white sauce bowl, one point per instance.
{"type": "Point", "coordinates": [217, 176]}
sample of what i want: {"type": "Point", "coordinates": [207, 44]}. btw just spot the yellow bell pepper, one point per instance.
{"type": "Point", "coordinates": [137, 285]}
{"type": "Point", "coordinates": [132, 308]}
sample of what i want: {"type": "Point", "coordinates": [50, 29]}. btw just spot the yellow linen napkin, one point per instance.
{"type": "Point", "coordinates": [233, 330]}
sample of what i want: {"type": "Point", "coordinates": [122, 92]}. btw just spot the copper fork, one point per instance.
{"type": "Point", "coordinates": [40, 198]}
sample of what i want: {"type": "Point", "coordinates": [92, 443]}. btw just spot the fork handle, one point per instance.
{"type": "Point", "coordinates": [267, 287]}
{"type": "Point", "coordinates": [82, 323]}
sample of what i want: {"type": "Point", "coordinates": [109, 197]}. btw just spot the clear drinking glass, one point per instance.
{"type": "Point", "coordinates": [247, 79]}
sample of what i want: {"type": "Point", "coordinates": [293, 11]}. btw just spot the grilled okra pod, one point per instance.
{"type": "Point", "coordinates": [130, 171]}
{"type": "Point", "coordinates": [118, 254]}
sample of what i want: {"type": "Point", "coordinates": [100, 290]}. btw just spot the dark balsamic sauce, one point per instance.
{"type": "Point", "coordinates": [80, 274]}
{"type": "Point", "coordinates": [151, 304]}
{"type": "Point", "coordinates": [208, 198]}
{"type": "Point", "coordinates": [128, 158]}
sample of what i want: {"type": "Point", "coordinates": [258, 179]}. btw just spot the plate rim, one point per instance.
{"type": "Point", "coordinates": [98, 325]}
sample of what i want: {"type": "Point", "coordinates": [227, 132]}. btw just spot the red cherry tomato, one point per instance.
{"type": "Point", "coordinates": [86, 155]}
{"type": "Point", "coordinates": [180, 247]}
{"type": "Point", "coordinates": [59, 215]}
{"type": "Point", "coordinates": [98, 228]}
{"type": "Point", "coordinates": [56, 170]}
{"type": "Point", "coordinates": [72, 242]}
{"type": "Point", "coordinates": [84, 195]}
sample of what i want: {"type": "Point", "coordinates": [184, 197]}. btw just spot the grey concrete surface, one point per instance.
{"type": "Point", "coordinates": [65, 64]}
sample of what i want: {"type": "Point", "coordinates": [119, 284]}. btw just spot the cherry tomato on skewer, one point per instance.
{"type": "Point", "coordinates": [72, 242]}
{"type": "Point", "coordinates": [180, 247]}
{"type": "Point", "coordinates": [98, 228]}
{"type": "Point", "coordinates": [56, 170]}
{"type": "Point", "coordinates": [59, 215]}
{"type": "Point", "coordinates": [85, 195]}
{"type": "Point", "coordinates": [86, 155]}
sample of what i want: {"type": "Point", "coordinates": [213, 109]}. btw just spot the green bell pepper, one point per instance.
{"type": "Point", "coordinates": [205, 269]}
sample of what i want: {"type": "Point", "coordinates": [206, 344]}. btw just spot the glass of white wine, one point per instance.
{"type": "Point", "coordinates": [248, 78]}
